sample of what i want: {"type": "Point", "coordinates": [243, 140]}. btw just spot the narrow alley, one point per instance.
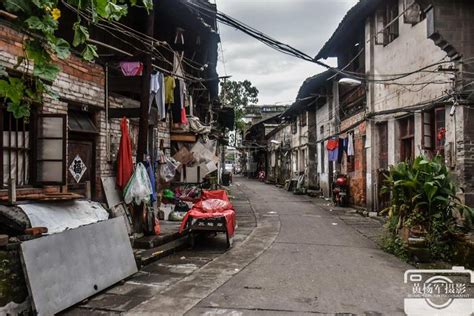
{"type": "Point", "coordinates": [291, 255]}
{"type": "Point", "coordinates": [217, 157]}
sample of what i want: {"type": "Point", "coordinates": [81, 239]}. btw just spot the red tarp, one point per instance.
{"type": "Point", "coordinates": [125, 163]}
{"type": "Point", "coordinates": [213, 204]}
{"type": "Point", "coordinates": [216, 194]}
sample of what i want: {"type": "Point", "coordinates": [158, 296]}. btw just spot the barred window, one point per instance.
{"type": "Point", "coordinates": [16, 149]}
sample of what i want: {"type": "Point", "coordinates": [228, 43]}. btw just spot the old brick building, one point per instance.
{"type": "Point", "coordinates": [394, 108]}
{"type": "Point", "coordinates": [93, 97]}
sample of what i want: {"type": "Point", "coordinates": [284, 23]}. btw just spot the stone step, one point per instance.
{"type": "Point", "coordinates": [147, 256]}
{"type": "Point", "coordinates": [150, 242]}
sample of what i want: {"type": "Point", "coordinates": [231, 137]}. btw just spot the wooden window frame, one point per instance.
{"type": "Point", "coordinates": [382, 131]}
{"type": "Point", "coordinates": [408, 135]}
{"type": "Point", "coordinates": [323, 167]}
{"type": "Point", "coordinates": [294, 126]}
{"type": "Point", "coordinates": [433, 128]}
{"type": "Point", "coordinates": [390, 13]}
{"type": "Point", "coordinates": [304, 119]}
{"type": "Point", "coordinates": [27, 150]}
{"type": "Point", "coordinates": [439, 148]}
{"type": "Point", "coordinates": [63, 181]}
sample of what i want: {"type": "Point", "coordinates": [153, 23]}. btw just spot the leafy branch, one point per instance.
{"type": "Point", "coordinates": [40, 19]}
{"type": "Point", "coordinates": [239, 95]}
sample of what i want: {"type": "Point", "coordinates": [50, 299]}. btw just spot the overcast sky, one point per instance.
{"type": "Point", "coordinates": [303, 24]}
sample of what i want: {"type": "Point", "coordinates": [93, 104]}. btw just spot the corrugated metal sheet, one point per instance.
{"type": "Point", "coordinates": [60, 216]}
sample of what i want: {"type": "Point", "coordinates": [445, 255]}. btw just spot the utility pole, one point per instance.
{"type": "Point", "coordinates": [144, 119]}
{"type": "Point", "coordinates": [224, 101]}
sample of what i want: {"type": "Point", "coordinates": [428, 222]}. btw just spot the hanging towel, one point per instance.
{"type": "Point", "coordinates": [170, 85]}
{"type": "Point", "coordinates": [332, 144]}
{"type": "Point", "coordinates": [350, 144]}
{"type": "Point", "coordinates": [333, 154]}
{"type": "Point", "coordinates": [157, 94]}
{"type": "Point", "coordinates": [177, 104]}
{"type": "Point", "coordinates": [131, 68]}
{"type": "Point", "coordinates": [340, 150]}
{"type": "Point", "coordinates": [151, 175]}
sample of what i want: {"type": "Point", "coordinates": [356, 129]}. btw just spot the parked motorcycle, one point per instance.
{"type": "Point", "coordinates": [340, 191]}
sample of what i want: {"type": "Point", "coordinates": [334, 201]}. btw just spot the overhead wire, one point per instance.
{"type": "Point", "coordinates": [149, 42]}
{"type": "Point", "coordinates": [287, 49]}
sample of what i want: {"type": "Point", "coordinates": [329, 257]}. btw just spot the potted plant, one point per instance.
{"type": "Point", "coordinates": [424, 201]}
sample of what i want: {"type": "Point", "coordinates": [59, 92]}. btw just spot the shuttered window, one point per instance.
{"type": "Point", "coordinates": [50, 149]}
{"type": "Point", "coordinates": [15, 144]}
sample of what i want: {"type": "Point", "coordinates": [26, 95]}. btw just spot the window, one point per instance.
{"type": "Point", "coordinates": [322, 153]}
{"type": "Point", "coordinates": [407, 138]}
{"type": "Point", "coordinates": [383, 145]}
{"type": "Point", "coordinates": [388, 22]}
{"type": "Point", "coordinates": [303, 160]}
{"type": "Point", "coordinates": [303, 118]}
{"type": "Point", "coordinates": [294, 127]}
{"type": "Point", "coordinates": [434, 131]}
{"type": "Point", "coordinates": [16, 149]}
{"type": "Point", "coordinates": [50, 158]}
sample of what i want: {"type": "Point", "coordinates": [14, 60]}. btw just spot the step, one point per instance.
{"type": "Point", "coordinates": [147, 256]}
{"type": "Point", "coordinates": [169, 232]}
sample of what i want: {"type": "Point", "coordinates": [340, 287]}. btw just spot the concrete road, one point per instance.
{"type": "Point", "coordinates": [293, 255]}
{"type": "Point", "coordinates": [318, 261]}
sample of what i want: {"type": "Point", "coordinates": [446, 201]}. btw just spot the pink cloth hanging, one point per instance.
{"type": "Point", "coordinates": [131, 68]}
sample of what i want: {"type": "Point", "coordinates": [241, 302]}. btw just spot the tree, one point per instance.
{"type": "Point", "coordinates": [238, 94]}
{"type": "Point", "coordinates": [39, 20]}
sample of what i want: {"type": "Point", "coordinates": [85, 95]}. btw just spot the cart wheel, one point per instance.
{"type": "Point", "coordinates": [230, 240]}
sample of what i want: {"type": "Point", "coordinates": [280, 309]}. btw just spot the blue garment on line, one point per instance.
{"type": "Point", "coordinates": [333, 154]}
{"type": "Point", "coordinates": [151, 175]}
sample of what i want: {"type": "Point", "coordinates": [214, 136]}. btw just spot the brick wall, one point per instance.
{"type": "Point", "coordinates": [357, 175]}
{"type": "Point", "coordinates": [82, 83]}
{"type": "Point", "coordinates": [452, 28]}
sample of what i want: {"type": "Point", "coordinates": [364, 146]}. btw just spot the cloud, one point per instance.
{"type": "Point", "coordinates": [304, 24]}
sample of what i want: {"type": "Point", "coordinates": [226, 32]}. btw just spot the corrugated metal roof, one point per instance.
{"type": "Point", "coordinates": [354, 17]}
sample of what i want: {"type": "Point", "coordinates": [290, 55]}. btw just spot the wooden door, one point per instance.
{"type": "Point", "coordinates": [81, 166]}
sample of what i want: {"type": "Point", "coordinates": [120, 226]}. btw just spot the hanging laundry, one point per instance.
{"type": "Point", "coordinates": [332, 147]}
{"type": "Point", "coordinates": [332, 144]}
{"type": "Point", "coordinates": [151, 175]}
{"type": "Point", "coordinates": [184, 118]}
{"type": "Point", "coordinates": [341, 150]}
{"type": "Point", "coordinates": [124, 160]}
{"type": "Point", "coordinates": [183, 92]}
{"type": "Point", "coordinates": [177, 104]}
{"type": "Point", "coordinates": [170, 85]}
{"type": "Point", "coordinates": [350, 144]}
{"type": "Point", "coordinates": [157, 94]}
{"type": "Point", "coordinates": [131, 68]}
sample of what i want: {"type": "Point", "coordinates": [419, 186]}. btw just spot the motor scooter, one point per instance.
{"type": "Point", "coordinates": [340, 191]}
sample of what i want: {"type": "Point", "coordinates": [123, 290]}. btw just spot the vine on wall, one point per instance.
{"type": "Point", "coordinates": [40, 19]}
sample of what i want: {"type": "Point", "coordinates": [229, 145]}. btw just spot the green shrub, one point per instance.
{"type": "Point", "coordinates": [424, 201]}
